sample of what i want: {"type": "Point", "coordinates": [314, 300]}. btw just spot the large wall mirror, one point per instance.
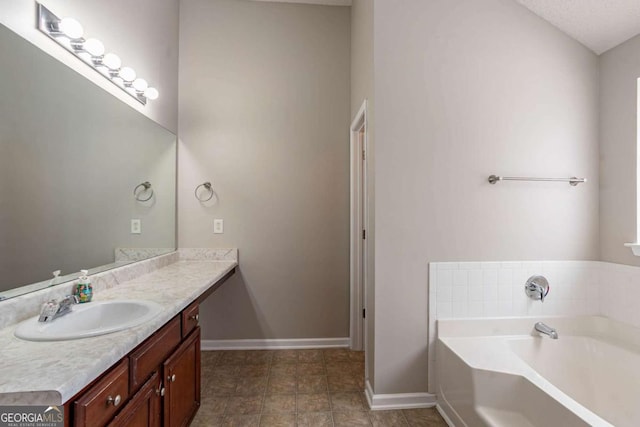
{"type": "Point", "coordinates": [71, 156]}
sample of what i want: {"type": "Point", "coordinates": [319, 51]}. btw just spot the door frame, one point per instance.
{"type": "Point", "coordinates": [358, 223]}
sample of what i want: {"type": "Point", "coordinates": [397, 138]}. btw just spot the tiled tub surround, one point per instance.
{"type": "Point", "coordinates": [462, 290]}
{"type": "Point", "coordinates": [496, 289]}
{"type": "Point", "coordinates": [497, 372]}
{"type": "Point", "coordinates": [50, 373]}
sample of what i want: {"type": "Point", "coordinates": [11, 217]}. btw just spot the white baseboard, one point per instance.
{"type": "Point", "coordinates": [274, 344]}
{"type": "Point", "coordinates": [398, 400]}
{"type": "Point", "coordinates": [444, 416]}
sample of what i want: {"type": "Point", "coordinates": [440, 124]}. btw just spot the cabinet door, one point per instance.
{"type": "Point", "coordinates": [143, 410]}
{"type": "Point", "coordinates": [96, 406]}
{"type": "Point", "coordinates": [182, 382]}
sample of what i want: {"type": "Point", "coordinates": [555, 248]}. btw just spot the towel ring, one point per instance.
{"type": "Point", "coordinates": [206, 185]}
{"type": "Point", "coordinates": [146, 187]}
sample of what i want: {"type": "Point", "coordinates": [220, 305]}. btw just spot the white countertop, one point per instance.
{"type": "Point", "coordinates": [50, 373]}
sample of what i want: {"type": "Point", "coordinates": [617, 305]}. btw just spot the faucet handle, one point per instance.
{"type": "Point", "coordinates": [537, 288]}
{"type": "Point", "coordinates": [68, 301]}
{"type": "Point", "coordinates": [48, 310]}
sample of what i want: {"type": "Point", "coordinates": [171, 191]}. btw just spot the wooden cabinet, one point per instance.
{"type": "Point", "coordinates": [156, 385]}
{"type": "Point", "coordinates": [149, 355]}
{"type": "Point", "coordinates": [144, 408]}
{"type": "Point", "coordinates": [107, 396]}
{"type": "Point", "coordinates": [190, 319]}
{"type": "Point", "coordinates": [182, 379]}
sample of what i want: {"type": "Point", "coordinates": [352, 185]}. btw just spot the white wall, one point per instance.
{"type": "Point", "coordinates": [465, 89]}
{"type": "Point", "coordinates": [264, 116]}
{"type": "Point", "coordinates": [362, 89]}
{"type": "Point", "coordinates": [361, 54]}
{"type": "Point", "coordinates": [144, 33]}
{"type": "Point", "coordinates": [619, 73]}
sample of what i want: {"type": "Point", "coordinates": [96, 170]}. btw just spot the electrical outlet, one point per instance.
{"type": "Point", "coordinates": [218, 226]}
{"type": "Point", "coordinates": [136, 226]}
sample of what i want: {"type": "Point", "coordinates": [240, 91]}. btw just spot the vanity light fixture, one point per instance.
{"type": "Point", "coordinates": [68, 32]}
{"type": "Point", "coordinates": [94, 47]}
{"type": "Point", "coordinates": [127, 74]}
{"type": "Point", "coordinates": [68, 27]}
{"type": "Point", "coordinates": [112, 62]}
{"type": "Point", "coordinates": [151, 93]}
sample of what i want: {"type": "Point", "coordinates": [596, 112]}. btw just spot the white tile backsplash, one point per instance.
{"type": "Point", "coordinates": [496, 289]}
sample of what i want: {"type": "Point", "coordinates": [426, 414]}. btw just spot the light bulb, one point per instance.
{"type": "Point", "coordinates": [128, 74]}
{"type": "Point", "coordinates": [140, 85]}
{"type": "Point", "coordinates": [112, 61]}
{"type": "Point", "coordinates": [117, 80]}
{"type": "Point", "coordinates": [71, 28]}
{"type": "Point", "coordinates": [151, 93]}
{"type": "Point", "coordinates": [94, 47]}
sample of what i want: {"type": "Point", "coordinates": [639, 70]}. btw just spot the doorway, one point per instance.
{"type": "Point", "coordinates": [358, 253]}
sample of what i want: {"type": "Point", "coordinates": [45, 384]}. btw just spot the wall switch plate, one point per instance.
{"type": "Point", "coordinates": [218, 226]}
{"type": "Point", "coordinates": [136, 226]}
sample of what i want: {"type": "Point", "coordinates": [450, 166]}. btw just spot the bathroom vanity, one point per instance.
{"type": "Point", "coordinates": [158, 383]}
{"type": "Point", "coordinates": [119, 222]}
{"type": "Point", "coordinates": [144, 375]}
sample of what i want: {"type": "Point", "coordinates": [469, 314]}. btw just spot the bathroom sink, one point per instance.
{"type": "Point", "coordinates": [90, 320]}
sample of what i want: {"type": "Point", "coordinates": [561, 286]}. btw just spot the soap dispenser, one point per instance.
{"type": "Point", "coordinates": [84, 290]}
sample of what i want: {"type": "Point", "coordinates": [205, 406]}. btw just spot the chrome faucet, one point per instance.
{"type": "Point", "coordinates": [537, 288]}
{"type": "Point", "coordinates": [547, 330]}
{"type": "Point", "coordinates": [53, 309]}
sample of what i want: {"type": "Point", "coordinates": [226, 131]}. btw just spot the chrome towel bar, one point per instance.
{"type": "Point", "coordinates": [573, 180]}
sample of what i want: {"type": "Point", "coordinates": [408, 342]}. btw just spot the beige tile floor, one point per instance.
{"type": "Point", "coordinates": [293, 388]}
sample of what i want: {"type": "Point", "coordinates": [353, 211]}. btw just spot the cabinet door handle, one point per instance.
{"type": "Point", "coordinates": [115, 401]}
{"type": "Point", "coordinates": [160, 391]}
{"type": "Point", "coordinates": [171, 378]}
{"type": "Point", "coordinates": [195, 317]}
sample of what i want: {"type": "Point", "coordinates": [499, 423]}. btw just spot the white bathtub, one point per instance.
{"type": "Point", "coordinates": [501, 372]}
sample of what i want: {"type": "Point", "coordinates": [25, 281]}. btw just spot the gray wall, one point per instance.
{"type": "Point", "coordinates": [619, 73]}
{"type": "Point", "coordinates": [362, 88]}
{"type": "Point", "coordinates": [144, 33]}
{"type": "Point", "coordinates": [264, 115]}
{"type": "Point", "coordinates": [465, 89]}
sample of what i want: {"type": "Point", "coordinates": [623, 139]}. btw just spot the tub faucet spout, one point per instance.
{"type": "Point", "coordinates": [547, 330]}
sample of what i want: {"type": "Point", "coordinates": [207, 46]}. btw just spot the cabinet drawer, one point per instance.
{"type": "Point", "coordinates": [150, 355]}
{"type": "Point", "coordinates": [98, 405]}
{"type": "Point", "coordinates": [190, 319]}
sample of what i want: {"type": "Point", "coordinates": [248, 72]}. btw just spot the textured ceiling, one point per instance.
{"type": "Point", "coordinates": [598, 24]}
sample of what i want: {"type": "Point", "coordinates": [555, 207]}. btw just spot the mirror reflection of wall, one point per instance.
{"type": "Point", "coordinates": [70, 157]}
